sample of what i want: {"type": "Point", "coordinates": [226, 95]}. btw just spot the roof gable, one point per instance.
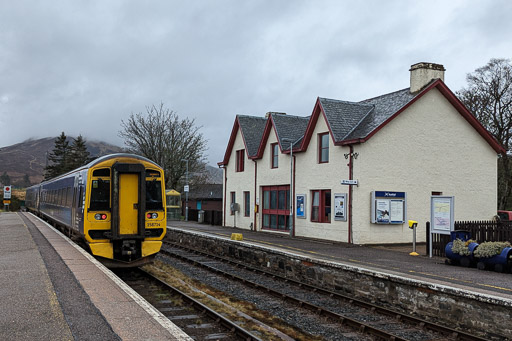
{"type": "Point", "coordinates": [251, 129]}
{"type": "Point", "coordinates": [288, 129]}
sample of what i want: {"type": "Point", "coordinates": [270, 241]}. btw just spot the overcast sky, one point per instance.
{"type": "Point", "coordinates": [83, 66]}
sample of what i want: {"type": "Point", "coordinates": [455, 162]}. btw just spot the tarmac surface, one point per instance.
{"type": "Point", "coordinates": [51, 289]}
{"type": "Point", "coordinates": [393, 259]}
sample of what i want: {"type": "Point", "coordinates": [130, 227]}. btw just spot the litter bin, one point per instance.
{"type": "Point", "coordinates": [200, 216]}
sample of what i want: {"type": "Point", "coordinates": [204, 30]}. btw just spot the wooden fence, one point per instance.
{"type": "Point", "coordinates": [481, 231]}
{"type": "Point", "coordinates": [210, 217]}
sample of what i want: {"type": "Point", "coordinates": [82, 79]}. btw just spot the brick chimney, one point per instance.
{"type": "Point", "coordinates": [423, 73]}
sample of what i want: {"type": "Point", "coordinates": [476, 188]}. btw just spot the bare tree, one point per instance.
{"type": "Point", "coordinates": [161, 136]}
{"type": "Point", "coordinates": [489, 98]}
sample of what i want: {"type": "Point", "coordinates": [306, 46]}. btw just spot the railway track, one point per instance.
{"type": "Point", "coordinates": [362, 317]}
{"type": "Point", "coordinates": [190, 315]}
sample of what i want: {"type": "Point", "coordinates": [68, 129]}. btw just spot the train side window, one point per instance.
{"type": "Point", "coordinates": [69, 202]}
{"type": "Point", "coordinates": [100, 195]}
{"type": "Point", "coordinates": [154, 195]}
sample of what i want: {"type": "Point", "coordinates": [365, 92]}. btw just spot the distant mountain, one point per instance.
{"type": "Point", "coordinates": [29, 157]}
{"type": "Point", "coordinates": [214, 175]}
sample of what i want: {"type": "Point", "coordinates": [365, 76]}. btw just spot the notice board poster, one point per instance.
{"type": "Point", "coordinates": [441, 214]}
{"type": "Point", "coordinates": [300, 205]}
{"type": "Point", "coordinates": [396, 213]}
{"type": "Point", "coordinates": [340, 206]}
{"type": "Point", "coordinates": [382, 211]}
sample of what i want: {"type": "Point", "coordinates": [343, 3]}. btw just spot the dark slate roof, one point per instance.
{"type": "Point", "coordinates": [356, 120]}
{"type": "Point", "coordinates": [252, 131]}
{"type": "Point", "coordinates": [205, 192]}
{"type": "Point", "coordinates": [343, 116]}
{"type": "Point", "coordinates": [289, 128]}
{"type": "Point", "coordinates": [385, 106]}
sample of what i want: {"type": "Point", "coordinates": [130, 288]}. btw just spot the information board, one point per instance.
{"type": "Point", "coordinates": [388, 207]}
{"type": "Point", "coordinates": [441, 214]}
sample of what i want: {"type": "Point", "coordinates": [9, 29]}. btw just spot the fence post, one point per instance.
{"type": "Point", "coordinates": [429, 246]}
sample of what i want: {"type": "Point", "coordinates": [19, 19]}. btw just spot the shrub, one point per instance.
{"type": "Point", "coordinates": [489, 249]}
{"type": "Point", "coordinates": [461, 247]}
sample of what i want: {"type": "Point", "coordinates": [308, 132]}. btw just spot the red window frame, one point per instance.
{"type": "Point", "coordinates": [240, 160]}
{"type": "Point", "coordinates": [321, 205]}
{"type": "Point", "coordinates": [233, 200]}
{"type": "Point", "coordinates": [276, 207]}
{"type": "Point", "coordinates": [247, 203]}
{"type": "Point", "coordinates": [274, 155]}
{"type": "Point", "coordinates": [323, 146]}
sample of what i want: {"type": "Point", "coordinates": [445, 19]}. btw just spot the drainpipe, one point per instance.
{"type": "Point", "coordinates": [293, 195]}
{"type": "Point", "coordinates": [255, 224]}
{"type": "Point", "coordinates": [351, 177]}
{"type": "Point", "coordinates": [225, 189]}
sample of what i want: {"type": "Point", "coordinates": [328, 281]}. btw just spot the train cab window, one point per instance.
{"type": "Point", "coordinates": [153, 190]}
{"type": "Point", "coordinates": [100, 195]}
{"type": "Point", "coordinates": [101, 172]}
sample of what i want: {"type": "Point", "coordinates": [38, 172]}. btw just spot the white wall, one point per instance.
{"type": "Point", "coordinates": [428, 147]}
{"type": "Point", "coordinates": [239, 182]}
{"type": "Point", "coordinates": [311, 175]}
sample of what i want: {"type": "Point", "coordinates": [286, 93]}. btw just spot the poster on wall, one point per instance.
{"type": "Point", "coordinates": [340, 207]}
{"type": "Point", "coordinates": [388, 207]}
{"type": "Point", "coordinates": [382, 211]}
{"type": "Point", "coordinates": [397, 211]}
{"type": "Point", "coordinates": [441, 214]}
{"type": "Point", "coordinates": [300, 205]}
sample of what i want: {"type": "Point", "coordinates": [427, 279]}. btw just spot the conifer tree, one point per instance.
{"type": "Point", "coordinates": [79, 155]}
{"type": "Point", "coordinates": [59, 158]}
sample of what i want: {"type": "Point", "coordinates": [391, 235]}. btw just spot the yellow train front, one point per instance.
{"type": "Point", "coordinates": [116, 204]}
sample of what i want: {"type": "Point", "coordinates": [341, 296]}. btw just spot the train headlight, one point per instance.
{"type": "Point", "coordinates": [152, 215]}
{"type": "Point", "coordinates": [99, 216]}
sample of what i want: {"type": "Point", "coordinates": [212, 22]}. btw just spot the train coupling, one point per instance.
{"type": "Point", "coordinates": [128, 248]}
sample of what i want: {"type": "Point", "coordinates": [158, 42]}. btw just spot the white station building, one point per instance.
{"type": "Point", "coordinates": [358, 171]}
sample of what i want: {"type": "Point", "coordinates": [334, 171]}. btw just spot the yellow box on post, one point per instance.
{"type": "Point", "coordinates": [237, 236]}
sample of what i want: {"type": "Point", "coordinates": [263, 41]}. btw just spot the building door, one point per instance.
{"type": "Point", "coordinates": [128, 203]}
{"type": "Point", "coordinates": [276, 207]}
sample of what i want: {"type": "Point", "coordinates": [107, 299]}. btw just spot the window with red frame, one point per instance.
{"type": "Point", "coordinates": [276, 207]}
{"type": "Point", "coordinates": [275, 155]}
{"type": "Point", "coordinates": [247, 204]}
{"type": "Point", "coordinates": [321, 206]}
{"type": "Point", "coordinates": [323, 148]}
{"type": "Point", "coordinates": [240, 159]}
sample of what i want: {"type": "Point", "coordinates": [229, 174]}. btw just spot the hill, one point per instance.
{"type": "Point", "coordinates": [29, 157]}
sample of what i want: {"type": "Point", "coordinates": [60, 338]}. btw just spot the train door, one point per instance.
{"type": "Point", "coordinates": [128, 203]}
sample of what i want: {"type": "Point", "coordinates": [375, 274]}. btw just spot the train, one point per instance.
{"type": "Point", "coordinates": [114, 205]}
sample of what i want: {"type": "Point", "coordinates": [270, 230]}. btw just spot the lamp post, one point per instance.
{"type": "Point", "coordinates": [290, 219]}
{"type": "Point", "coordinates": [186, 190]}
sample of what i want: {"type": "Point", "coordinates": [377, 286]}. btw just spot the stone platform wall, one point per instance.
{"type": "Point", "coordinates": [485, 316]}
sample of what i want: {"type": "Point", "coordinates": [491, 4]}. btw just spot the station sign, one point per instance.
{"type": "Point", "coordinates": [349, 182]}
{"type": "Point", "coordinates": [7, 192]}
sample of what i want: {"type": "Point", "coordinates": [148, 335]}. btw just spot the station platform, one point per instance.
{"type": "Point", "coordinates": [389, 259]}
{"type": "Point", "coordinates": [51, 289]}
